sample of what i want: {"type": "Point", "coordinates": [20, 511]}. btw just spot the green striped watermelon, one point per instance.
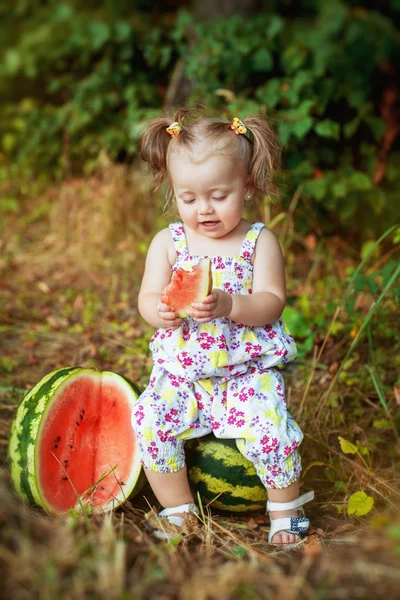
{"type": "Point", "coordinates": [223, 476]}
{"type": "Point", "coordinates": [70, 430]}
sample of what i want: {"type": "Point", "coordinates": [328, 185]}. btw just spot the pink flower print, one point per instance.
{"type": "Point", "coordinates": [152, 381]}
{"type": "Point", "coordinates": [160, 361]}
{"type": "Point", "coordinates": [165, 436]}
{"type": "Point", "coordinates": [287, 450]}
{"type": "Point", "coordinates": [256, 351]}
{"type": "Point", "coordinates": [169, 417]}
{"type": "Point", "coordinates": [268, 327]}
{"type": "Point", "coordinates": [215, 424]}
{"type": "Point", "coordinates": [228, 287]}
{"type": "Point", "coordinates": [268, 444]}
{"type": "Point", "coordinates": [185, 360]}
{"type": "Point", "coordinates": [185, 333]}
{"type": "Point", "coordinates": [139, 415]}
{"type": "Point", "coordinates": [222, 342]}
{"type": "Point", "coordinates": [271, 335]}
{"type": "Point", "coordinates": [243, 396]}
{"type": "Point", "coordinates": [251, 391]}
{"type": "Point", "coordinates": [205, 345]}
{"type": "Point", "coordinates": [174, 380]}
{"type": "Point", "coordinates": [152, 450]}
{"type": "Point", "coordinates": [250, 290]}
{"type": "Point", "coordinates": [231, 420]}
{"type": "Point", "coordinates": [240, 422]}
{"type": "Point", "coordinates": [246, 254]}
{"type": "Point", "coordinates": [234, 415]}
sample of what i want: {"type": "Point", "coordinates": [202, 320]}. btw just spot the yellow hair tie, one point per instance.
{"type": "Point", "coordinates": [239, 127]}
{"type": "Point", "coordinates": [174, 129]}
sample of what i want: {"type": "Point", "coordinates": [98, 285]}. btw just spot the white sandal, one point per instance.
{"type": "Point", "coordinates": [296, 525]}
{"type": "Point", "coordinates": [170, 515]}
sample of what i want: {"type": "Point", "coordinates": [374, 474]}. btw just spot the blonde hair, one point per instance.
{"type": "Point", "coordinates": [262, 158]}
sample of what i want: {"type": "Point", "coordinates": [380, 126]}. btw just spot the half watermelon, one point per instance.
{"type": "Point", "coordinates": [186, 287]}
{"type": "Point", "coordinates": [72, 435]}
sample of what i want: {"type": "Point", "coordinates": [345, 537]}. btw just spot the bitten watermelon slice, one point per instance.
{"type": "Point", "coordinates": [73, 427]}
{"type": "Point", "coordinates": [188, 286]}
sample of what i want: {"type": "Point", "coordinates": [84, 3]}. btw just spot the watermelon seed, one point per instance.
{"type": "Point", "coordinates": [80, 416]}
{"type": "Point", "coordinates": [83, 411]}
{"type": "Point", "coordinates": [114, 403]}
{"type": "Point", "coordinates": [70, 446]}
{"type": "Point", "coordinates": [64, 479]}
{"type": "Point", "coordinates": [55, 446]}
{"type": "Point", "coordinates": [77, 423]}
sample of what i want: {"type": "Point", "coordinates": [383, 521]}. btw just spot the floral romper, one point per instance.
{"type": "Point", "coordinates": [220, 377]}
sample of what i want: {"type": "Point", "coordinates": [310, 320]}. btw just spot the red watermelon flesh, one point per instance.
{"type": "Point", "coordinates": [188, 286]}
{"type": "Point", "coordinates": [86, 433]}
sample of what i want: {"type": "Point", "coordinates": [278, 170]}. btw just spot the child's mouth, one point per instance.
{"type": "Point", "coordinates": [209, 224]}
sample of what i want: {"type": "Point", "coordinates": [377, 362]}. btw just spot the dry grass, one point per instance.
{"type": "Point", "coordinates": [70, 273]}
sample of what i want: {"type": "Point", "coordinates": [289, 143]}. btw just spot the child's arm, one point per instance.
{"type": "Point", "coordinates": [157, 275]}
{"type": "Point", "coordinates": [267, 301]}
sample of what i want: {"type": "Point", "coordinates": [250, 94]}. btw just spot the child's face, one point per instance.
{"type": "Point", "coordinates": [210, 194]}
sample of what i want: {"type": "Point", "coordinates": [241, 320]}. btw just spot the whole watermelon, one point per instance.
{"type": "Point", "coordinates": [223, 476]}
{"type": "Point", "coordinates": [71, 441]}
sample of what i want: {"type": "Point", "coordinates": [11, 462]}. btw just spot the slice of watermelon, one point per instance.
{"type": "Point", "coordinates": [188, 286]}
{"type": "Point", "coordinates": [70, 431]}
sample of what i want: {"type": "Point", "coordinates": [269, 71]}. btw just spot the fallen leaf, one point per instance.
{"type": "Point", "coordinates": [312, 546]}
{"type": "Point", "coordinates": [79, 303]}
{"type": "Point", "coordinates": [396, 390]}
{"type": "Point", "coordinates": [43, 287]}
{"type": "Point", "coordinates": [333, 368]}
{"type": "Point", "coordinates": [251, 524]}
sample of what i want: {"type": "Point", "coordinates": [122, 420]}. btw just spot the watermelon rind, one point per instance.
{"type": "Point", "coordinates": [225, 479]}
{"type": "Point", "coordinates": [29, 421]}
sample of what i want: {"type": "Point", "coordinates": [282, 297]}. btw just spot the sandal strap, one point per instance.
{"type": "Point", "coordinates": [169, 514]}
{"type": "Point", "coordinates": [297, 525]}
{"type": "Point", "coordinates": [183, 508]}
{"type": "Point", "coordinates": [297, 503]}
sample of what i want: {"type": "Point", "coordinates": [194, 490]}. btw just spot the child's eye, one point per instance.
{"type": "Point", "coordinates": [189, 200]}
{"type": "Point", "coordinates": [219, 197]}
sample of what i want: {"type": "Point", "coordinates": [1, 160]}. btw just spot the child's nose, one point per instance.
{"type": "Point", "coordinates": [204, 207]}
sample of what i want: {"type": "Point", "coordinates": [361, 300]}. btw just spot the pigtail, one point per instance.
{"type": "Point", "coordinates": [156, 140]}
{"type": "Point", "coordinates": [154, 146]}
{"type": "Point", "coordinates": [265, 162]}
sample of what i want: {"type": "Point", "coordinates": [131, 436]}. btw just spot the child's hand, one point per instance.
{"type": "Point", "coordinates": [217, 304]}
{"type": "Point", "coordinates": [169, 316]}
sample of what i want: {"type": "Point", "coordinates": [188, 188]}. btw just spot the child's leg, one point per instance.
{"type": "Point", "coordinates": [171, 489]}
{"type": "Point", "coordinates": [166, 415]}
{"type": "Point", "coordinates": [284, 495]}
{"type": "Point", "coordinates": [268, 436]}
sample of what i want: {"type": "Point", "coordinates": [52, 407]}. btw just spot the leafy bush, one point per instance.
{"type": "Point", "coordinates": [81, 78]}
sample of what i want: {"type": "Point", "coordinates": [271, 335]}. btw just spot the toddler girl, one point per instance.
{"type": "Point", "coordinates": [216, 370]}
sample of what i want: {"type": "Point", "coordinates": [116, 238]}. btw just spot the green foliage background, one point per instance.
{"type": "Point", "coordinates": [77, 78]}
